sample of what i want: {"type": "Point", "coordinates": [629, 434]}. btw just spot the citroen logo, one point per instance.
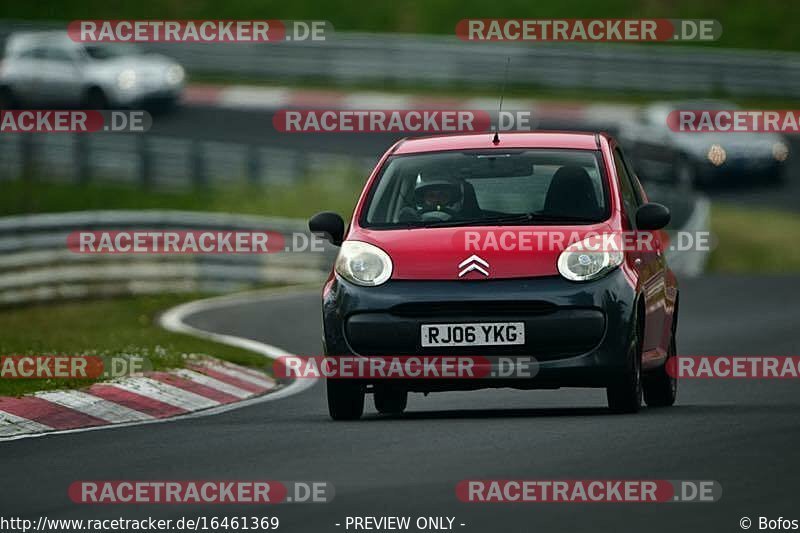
{"type": "Point", "coordinates": [471, 263]}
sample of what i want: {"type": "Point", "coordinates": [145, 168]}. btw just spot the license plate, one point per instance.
{"type": "Point", "coordinates": [478, 334]}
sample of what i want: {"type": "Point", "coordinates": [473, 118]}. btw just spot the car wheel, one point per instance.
{"type": "Point", "coordinates": [96, 99]}
{"type": "Point", "coordinates": [777, 176]}
{"type": "Point", "coordinates": [660, 388]}
{"type": "Point", "coordinates": [625, 395]}
{"type": "Point", "coordinates": [345, 399]}
{"type": "Point", "coordinates": [7, 100]}
{"type": "Point", "coordinates": [390, 401]}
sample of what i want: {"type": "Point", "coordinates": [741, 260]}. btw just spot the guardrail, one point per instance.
{"type": "Point", "coordinates": [346, 58]}
{"type": "Point", "coordinates": [36, 265]}
{"type": "Point", "coordinates": [164, 162]}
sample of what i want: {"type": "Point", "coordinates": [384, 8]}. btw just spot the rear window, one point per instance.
{"type": "Point", "coordinates": [514, 187]}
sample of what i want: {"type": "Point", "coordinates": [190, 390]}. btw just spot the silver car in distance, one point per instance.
{"type": "Point", "coordinates": [48, 69]}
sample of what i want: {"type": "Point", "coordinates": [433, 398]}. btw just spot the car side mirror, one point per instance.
{"type": "Point", "coordinates": [652, 216]}
{"type": "Point", "coordinates": [330, 225]}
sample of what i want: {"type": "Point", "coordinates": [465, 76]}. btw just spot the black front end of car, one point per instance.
{"type": "Point", "coordinates": [577, 332]}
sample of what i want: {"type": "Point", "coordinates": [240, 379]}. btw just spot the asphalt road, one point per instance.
{"type": "Point", "coordinates": [743, 434]}
{"type": "Point", "coordinates": [255, 127]}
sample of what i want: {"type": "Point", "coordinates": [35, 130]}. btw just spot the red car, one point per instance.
{"type": "Point", "coordinates": [482, 245]}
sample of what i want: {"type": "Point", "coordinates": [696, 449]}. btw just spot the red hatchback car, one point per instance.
{"type": "Point", "coordinates": [474, 245]}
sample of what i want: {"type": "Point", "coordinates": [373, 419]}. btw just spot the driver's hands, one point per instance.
{"type": "Point", "coordinates": [408, 214]}
{"type": "Point", "coordinates": [436, 215]}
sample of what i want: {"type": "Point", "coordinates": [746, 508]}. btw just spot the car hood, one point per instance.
{"type": "Point", "coordinates": [499, 252]}
{"type": "Point", "coordinates": [144, 64]}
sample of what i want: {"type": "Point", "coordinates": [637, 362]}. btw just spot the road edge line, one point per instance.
{"type": "Point", "coordinates": [173, 320]}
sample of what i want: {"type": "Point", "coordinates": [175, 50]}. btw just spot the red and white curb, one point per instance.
{"type": "Point", "coordinates": [210, 383]}
{"type": "Point", "coordinates": [205, 387]}
{"type": "Point", "coordinates": [245, 97]}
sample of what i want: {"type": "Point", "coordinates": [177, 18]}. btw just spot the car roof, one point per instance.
{"type": "Point", "coordinates": [35, 36]}
{"type": "Point", "coordinates": [25, 39]}
{"type": "Point", "coordinates": [479, 141]}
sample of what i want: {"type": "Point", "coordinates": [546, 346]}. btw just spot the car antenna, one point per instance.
{"type": "Point", "coordinates": [496, 139]}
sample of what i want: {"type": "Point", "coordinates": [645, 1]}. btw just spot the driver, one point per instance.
{"type": "Point", "coordinates": [439, 198]}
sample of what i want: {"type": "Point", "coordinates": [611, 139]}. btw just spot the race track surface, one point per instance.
{"type": "Point", "coordinates": [744, 434]}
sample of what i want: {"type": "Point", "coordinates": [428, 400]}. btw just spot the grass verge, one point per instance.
{"type": "Point", "coordinates": [301, 200]}
{"type": "Point", "coordinates": [111, 327]}
{"type": "Point", "coordinates": [748, 24]}
{"type": "Point", "coordinates": [754, 240]}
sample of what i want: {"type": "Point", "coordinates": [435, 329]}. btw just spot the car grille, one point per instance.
{"type": "Point", "coordinates": [472, 308]}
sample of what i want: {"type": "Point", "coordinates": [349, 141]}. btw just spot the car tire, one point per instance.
{"type": "Point", "coordinates": [95, 99]}
{"type": "Point", "coordinates": [390, 401]}
{"type": "Point", "coordinates": [345, 399]}
{"type": "Point", "coordinates": [625, 395]}
{"type": "Point", "coordinates": [7, 100]}
{"type": "Point", "coordinates": [777, 176]}
{"type": "Point", "coordinates": [660, 388]}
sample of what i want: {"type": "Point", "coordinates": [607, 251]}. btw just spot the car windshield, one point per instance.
{"type": "Point", "coordinates": [111, 50]}
{"type": "Point", "coordinates": [474, 188]}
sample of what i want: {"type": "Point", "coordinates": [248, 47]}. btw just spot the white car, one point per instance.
{"type": "Point", "coordinates": [45, 69]}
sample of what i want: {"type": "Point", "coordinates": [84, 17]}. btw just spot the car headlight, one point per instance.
{"type": "Point", "coordinates": [363, 264]}
{"type": "Point", "coordinates": [780, 152]}
{"type": "Point", "coordinates": [126, 79]}
{"type": "Point", "coordinates": [175, 74]}
{"type": "Point", "coordinates": [590, 259]}
{"type": "Point", "coordinates": [716, 154]}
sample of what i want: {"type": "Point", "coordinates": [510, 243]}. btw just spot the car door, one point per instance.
{"type": "Point", "coordinates": [61, 80]}
{"type": "Point", "coordinates": [649, 261]}
{"type": "Point", "coordinates": [21, 73]}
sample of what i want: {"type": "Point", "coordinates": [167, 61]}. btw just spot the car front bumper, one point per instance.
{"type": "Point", "coordinates": [148, 96]}
{"type": "Point", "coordinates": [576, 332]}
{"type": "Point", "coordinates": [739, 170]}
